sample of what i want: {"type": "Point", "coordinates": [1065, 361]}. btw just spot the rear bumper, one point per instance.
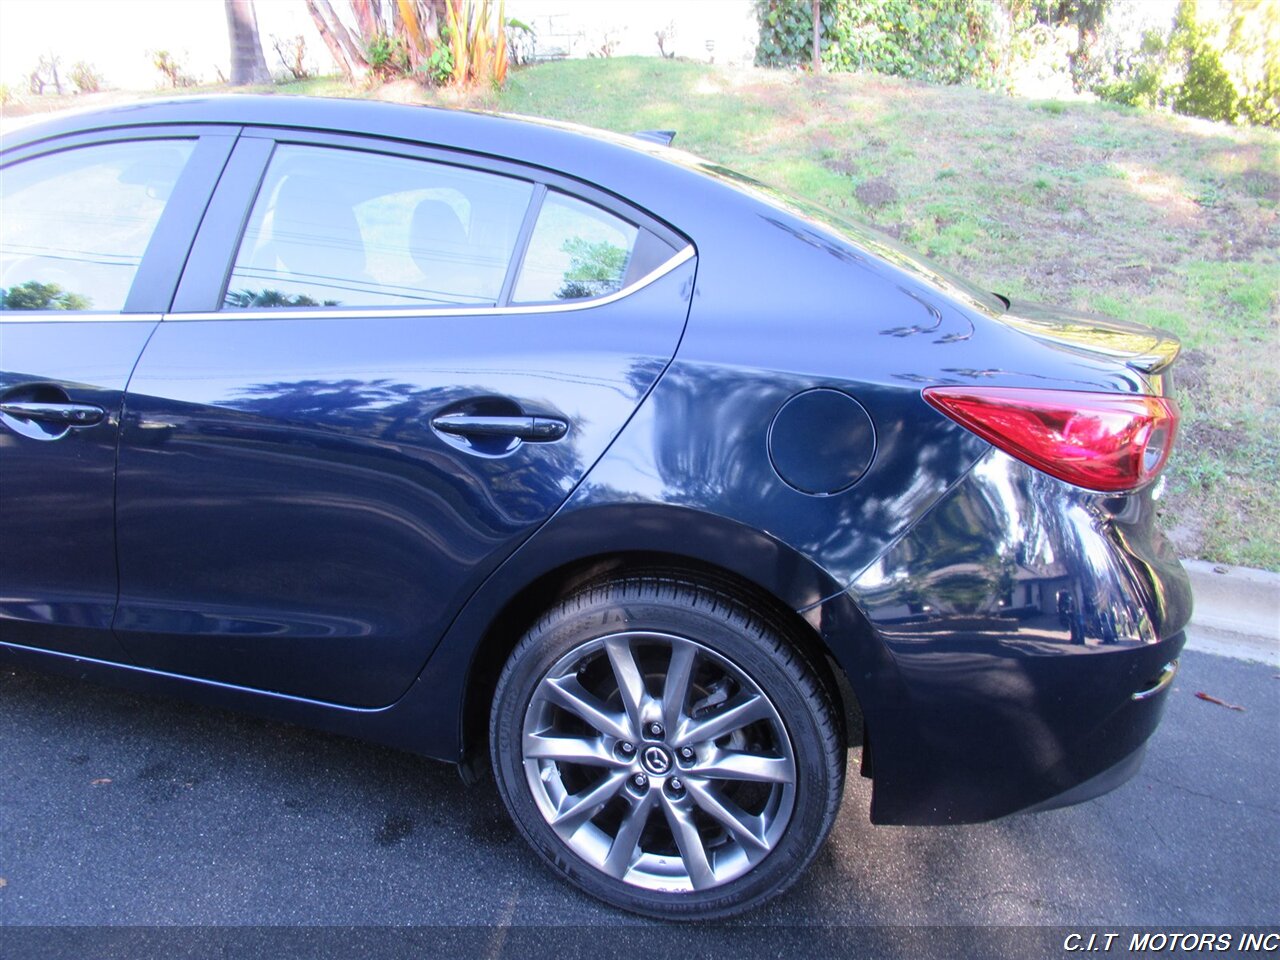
{"type": "Point", "coordinates": [1096, 786]}
{"type": "Point", "coordinates": [1020, 618]}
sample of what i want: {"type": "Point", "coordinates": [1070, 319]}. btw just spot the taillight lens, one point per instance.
{"type": "Point", "coordinates": [1110, 442]}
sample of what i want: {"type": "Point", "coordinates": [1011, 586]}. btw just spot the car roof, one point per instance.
{"type": "Point", "coordinates": [608, 160]}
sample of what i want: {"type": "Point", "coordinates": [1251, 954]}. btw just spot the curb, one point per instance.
{"type": "Point", "coordinates": [1237, 610]}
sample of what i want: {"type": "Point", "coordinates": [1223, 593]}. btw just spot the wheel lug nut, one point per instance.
{"type": "Point", "coordinates": [655, 729]}
{"type": "Point", "coordinates": [675, 785]}
{"type": "Point", "coordinates": [627, 748]}
{"type": "Point", "coordinates": [640, 781]}
{"type": "Point", "coordinates": [686, 753]}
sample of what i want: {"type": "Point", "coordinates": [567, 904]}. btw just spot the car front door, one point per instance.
{"type": "Point", "coordinates": [385, 367]}
{"type": "Point", "coordinates": [93, 232]}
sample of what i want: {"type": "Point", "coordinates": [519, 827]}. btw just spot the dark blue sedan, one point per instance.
{"type": "Point", "coordinates": [578, 459]}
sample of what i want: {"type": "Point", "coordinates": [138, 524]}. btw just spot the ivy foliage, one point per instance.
{"type": "Point", "coordinates": [943, 41]}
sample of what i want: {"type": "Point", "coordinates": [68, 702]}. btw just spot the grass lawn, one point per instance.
{"type": "Point", "coordinates": [1165, 220]}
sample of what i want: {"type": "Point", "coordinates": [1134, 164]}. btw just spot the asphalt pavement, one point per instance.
{"type": "Point", "coordinates": [119, 809]}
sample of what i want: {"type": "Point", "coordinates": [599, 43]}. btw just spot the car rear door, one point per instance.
{"type": "Point", "coordinates": [385, 367]}
{"type": "Point", "coordinates": [94, 229]}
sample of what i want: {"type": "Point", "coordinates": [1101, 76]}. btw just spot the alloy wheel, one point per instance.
{"type": "Point", "coordinates": [658, 761]}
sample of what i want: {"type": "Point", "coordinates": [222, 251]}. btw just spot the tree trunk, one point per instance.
{"type": "Point", "coordinates": [817, 36]}
{"type": "Point", "coordinates": [405, 24]}
{"type": "Point", "coordinates": [417, 22]}
{"type": "Point", "coordinates": [335, 50]}
{"type": "Point", "coordinates": [354, 54]}
{"type": "Point", "coordinates": [367, 21]}
{"type": "Point", "coordinates": [336, 38]}
{"type": "Point", "coordinates": [248, 65]}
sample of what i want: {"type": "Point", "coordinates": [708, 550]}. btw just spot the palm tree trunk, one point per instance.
{"type": "Point", "coordinates": [248, 65]}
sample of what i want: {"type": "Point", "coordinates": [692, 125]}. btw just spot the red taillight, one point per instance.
{"type": "Point", "coordinates": [1103, 441]}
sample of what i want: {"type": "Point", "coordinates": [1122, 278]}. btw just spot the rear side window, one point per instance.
{"type": "Point", "coordinates": [342, 227]}
{"type": "Point", "coordinates": [75, 224]}
{"type": "Point", "coordinates": [577, 251]}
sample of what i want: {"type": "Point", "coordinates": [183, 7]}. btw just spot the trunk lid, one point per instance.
{"type": "Point", "coordinates": [1143, 348]}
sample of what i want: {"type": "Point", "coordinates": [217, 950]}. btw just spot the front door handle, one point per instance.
{"type": "Point", "coordinates": [536, 429]}
{"type": "Point", "coordinates": [60, 414]}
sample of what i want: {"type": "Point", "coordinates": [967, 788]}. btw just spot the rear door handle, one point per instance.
{"type": "Point", "coordinates": [536, 429]}
{"type": "Point", "coordinates": [62, 414]}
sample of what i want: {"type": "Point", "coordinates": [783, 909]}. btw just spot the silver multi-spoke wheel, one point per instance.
{"type": "Point", "coordinates": [658, 761]}
{"type": "Point", "coordinates": [667, 745]}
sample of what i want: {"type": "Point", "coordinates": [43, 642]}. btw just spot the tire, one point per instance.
{"type": "Point", "coordinates": [716, 809]}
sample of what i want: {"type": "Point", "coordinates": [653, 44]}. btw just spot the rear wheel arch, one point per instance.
{"type": "Point", "coordinates": [767, 576]}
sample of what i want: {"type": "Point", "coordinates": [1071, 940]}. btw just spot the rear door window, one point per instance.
{"type": "Point", "coordinates": [74, 225]}
{"type": "Point", "coordinates": [337, 227]}
{"type": "Point", "coordinates": [579, 251]}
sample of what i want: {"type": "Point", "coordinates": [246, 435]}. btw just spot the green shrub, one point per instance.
{"type": "Point", "coordinates": [944, 41]}
{"type": "Point", "coordinates": [387, 56]}
{"type": "Point", "coordinates": [1222, 66]}
{"type": "Point", "coordinates": [1120, 74]}
{"type": "Point", "coordinates": [438, 69]}
{"type": "Point", "coordinates": [1253, 43]}
{"type": "Point", "coordinates": [1207, 90]}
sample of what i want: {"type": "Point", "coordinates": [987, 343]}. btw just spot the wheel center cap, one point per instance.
{"type": "Point", "coordinates": [656, 760]}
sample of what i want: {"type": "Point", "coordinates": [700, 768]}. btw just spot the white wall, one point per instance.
{"type": "Point", "coordinates": [117, 35]}
{"type": "Point", "coordinates": [578, 28]}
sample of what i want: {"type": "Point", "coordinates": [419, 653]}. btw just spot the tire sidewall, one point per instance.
{"type": "Point", "coordinates": [725, 628]}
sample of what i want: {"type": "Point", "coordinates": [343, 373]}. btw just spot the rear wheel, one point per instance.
{"type": "Point", "coordinates": [666, 749]}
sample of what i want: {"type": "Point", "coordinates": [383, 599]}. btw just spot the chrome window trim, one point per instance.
{"type": "Point", "coordinates": [73, 316]}
{"type": "Point", "coordinates": [445, 310]}
{"type": "Point", "coordinates": [281, 313]}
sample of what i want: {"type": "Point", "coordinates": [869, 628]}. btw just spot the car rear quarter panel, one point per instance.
{"type": "Point", "coordinates": [1022, 614]}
